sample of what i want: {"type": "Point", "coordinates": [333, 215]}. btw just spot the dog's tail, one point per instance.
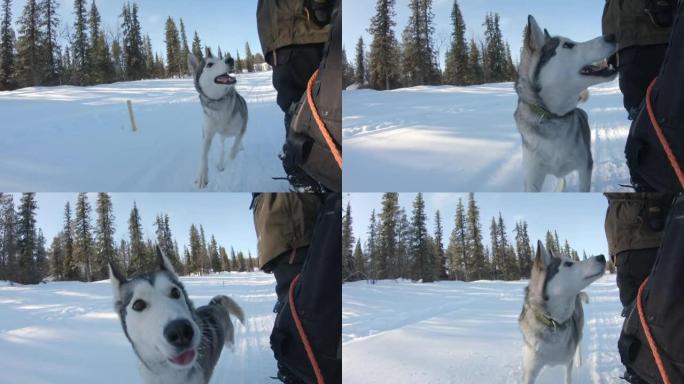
{"type": "Point", "coordinates": [231, 306]}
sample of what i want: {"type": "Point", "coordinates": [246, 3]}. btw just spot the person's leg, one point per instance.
{"type": "Point", "coordinates": [285, 268]}
{"type": "Point", "coordinates": [638, 66]}
{"type": "Point", "coordinates": [633, 267]}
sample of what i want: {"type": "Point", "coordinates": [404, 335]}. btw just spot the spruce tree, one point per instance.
{"type": "Point", "coordinates": [249, 58]}
{"type": "Point", "coordinates": [457, 249]}
{"type": "Point", "coordinates": [456, 71]}
{"type": "Point", "coordinates": [51, 49]}
{"type": "Point", "coordinates": [372, 246]}
{"type": "Point", "coordinates": [175, 58]}
{"type": "Point", "coordinates": [104, 236]}
{"type": "Point", "coordinates": [382, 65]}
{"type": "Point", "coordinates": [242, 262]}
{"type": "Point", "coordinates": [476, 255]}
{"type": "Point", "coordinates": [423, 268]}
{"type": "Point", "coordinates": [166, 242]}
{"type": "Point", "coordinates": [360, 72]}
{"type": "Point", "coordinates": [403, 245]}
{"type": "Point", "coordinates": [359, 262]}
{"type": "Point", "coordinates": [197, 47]}
{"type": "Point", "coordinates": [41, 259]}
{"type": "Point", "coordinates": [30, 63]}
{"type": "Point", "coordinates": [27, 240]}
{"type": "Point", "coordinates": [71, 270]}
{"type": "Point", "coordinates": [524, 249]}
{"type": "Point", "coordinates": [205, 263]}
{"type": "Point", "coordinates": [134, 62]}
{"type": "Point", "coordinates": [475, 72]}
{"type": "Point", "coordinates": [440, 257]}
{"type": "Point", "coordinates": [138, 259]}
{"type": "Point", "coordinates": [117, 59]}
{"type": "Point", "coordinates": [387, 237]}
{"type": "Point", "coordinates": [347, 70]}
{"type": "Point", "coordinates": [185, 48]}
{"type": "Point", "coordinates": [83, 239]}
{"type": "Point", "coordinates": [235, 265]}
{"type": "Point", "coordinates": [418, 61]}
{"type": "Point", "coordinates": [148, 57]}
{"type": "Point", "coordinates": [496, 251]}
{"type": "Point", "coordinates": [238, 63]}
{"type": "Point", "coordinates": [214, 255]}
{"type": "Point", "coordinates": [225, 262]}
{"type": "Point", "coordinates": [99, 58]}
{"type": "Point", "coordinates": [347, 244]}
{"type": "Point", "coordinates": [496, 65]}
{"type": "Point", "coordinates": [57, 257]}
{"type": "Point", "coordinates": [7, 55]}
{"type": "Point", "coordinates": [194, 261]}
{"type": "Point", "coordinates": [80, 43]}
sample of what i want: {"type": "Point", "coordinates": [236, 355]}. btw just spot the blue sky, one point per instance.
{"type": "Point", "coordinates": [226, 215]}
{"type": "Point", "coordinates": [228, 24]}
{"type": "Point", "coordinates": [579, 20]}
{"type": "Point", "coordinates": [579, 218]}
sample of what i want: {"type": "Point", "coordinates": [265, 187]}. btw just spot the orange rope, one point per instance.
{"type": "Point", "coordinates": [661, 136]}
{"type": "Point", "coordinates": [302, 334]}
{"type": "Point", "coordinates": [649, 336]}
{"type": "Point", "coordinates": [319, 121]}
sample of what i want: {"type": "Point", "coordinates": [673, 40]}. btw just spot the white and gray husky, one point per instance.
{"type": "Point", "coordinates": [552, 317]}
{"type": "Point", "coordinates": [174, 342]}
{"type": "Point", "coordinates": [225, 111]}
{"type": "Point", "coordinates": [553, 77]}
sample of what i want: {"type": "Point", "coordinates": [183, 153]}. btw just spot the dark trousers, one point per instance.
{"type": "Point", "coordinates": [638, 66]}
{"type": "Point", "coordinates": [285, 268]}
{"type": "Point", "coordinates": [633, 267]}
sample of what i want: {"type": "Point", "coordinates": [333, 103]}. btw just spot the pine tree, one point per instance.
{"type": "Point", "coordinates": [185, 48]}
{"type": "Point", "coordinates": [205, 263]}
{"type": "Point", "coordinates": [496, 66]}
{"type": "Point", "coordinates": [71, 270]}
{"type": "Point", "coordinates": [347, 70]}
{"type": "Point", "coordinates": [242, 262]}
{"type": "Point", "coordinates": [235, 265]}
{"type": "Point", "coordinates": [496, 260]}
{"type": "Point", "coordinates": [372, 246]}
{"type": "Point", "coordinates": [148, 57]}
{"type": "Point", "coordinates": [475, 73]}
{"type": "Point", "coordinates": [30, 63]}
{"type": "Point", "coordinates": [9, 237]}
{"type": "Point", "coordinates": [195, 255]}
{"type": "Point", "coordinates": [80, 43]}
{"type": "Point", "coordinates": [104, 236]}
{"type": "Point", "coordinates": [387, 237]}
{"type": "Point", "coordinates": [458, 247]}
{"type": "Point", "coordinates": [117, 59]}
{"type": "Point", "coordinates": [524, 249]}
{"type": "Point", "coordinates": [165, 241]}
{"type": "Point", "coordinates": [403, 245]}
{"type": "Point", "coordinates": [347, 244]}
{"type": "Point", "coordinates": [26, 239]}
{"type": "Point", "coordinates": [249, 58]}
{"type": "Point", "coordinates": [384, 50]}
{"type": "Point", "coordinates": [360, 73]}
{"type": "Point", "coordinates": [456, 71]}
{"type": "Point", "coordinates": [359, 261]}
{"type": "Point", "coordinates": [440, 257]}
{"type": "Point", "coordinates": [418, 61]}
{"type": "Point", "coordinates": [174, 54]}
{"type": "Point", "coordinates": [57, 257]}
{"type": "Point", "coordinates": [214, 255]}
{"type": "Point", "coordinates": [197, 47]}
{"type": "Point", "coordinates": [422, 265]}
{"type": "Point", "coordinates": [134, 61]}
{"type": "Point", "coordinates": [83, 240]}
{"type": "Point", "coordinates": [99, 58]}
{"type": "Point", "coordinates": [50, 27]}
{"type": "Point", "coordinates": [138, 259]}
{"type": "Point", "coordinates": [238, 63]}
{"type": "Point", "coordinates": [41, 258]}
{"type": "Point", "coordinates": [225, 262]}
{"type": "Point", "coordinates": [476, 255]}
{"type": "Point", "coordinates": [7, 55]}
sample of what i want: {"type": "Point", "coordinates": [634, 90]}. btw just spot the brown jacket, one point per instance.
{"type": "Point", "coordinates": [627, 220]}
{"type": "Point", "coordinates": [286, 22]}
{"type": "Point", "coordinates": [631, 25]}
{"type": "Point", "coordinates": [283, 222]}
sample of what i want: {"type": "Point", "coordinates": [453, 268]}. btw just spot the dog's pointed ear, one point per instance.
{"type": "Point", "coordinates": [192, 63]}
{"type": "Point", "coordinates": [208, 52]}
{"type": "Point", "coordinates": [547, 34]}
{"type": "Point", "coordinates": [118, 279]}
{"type": "Point", "coordinates": [543, 256]}
{"type": "Point", "coordinates": [535, 38]}
{"type": "Point", "coordinates": [164, 263]}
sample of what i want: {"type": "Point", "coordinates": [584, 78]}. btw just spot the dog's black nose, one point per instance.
{"type": "Point", "coordinates": [179, 333]}
{"type": "Point", "coordinates": [601, 259]}
{"type": "Point", "coordinates": [609, 38]}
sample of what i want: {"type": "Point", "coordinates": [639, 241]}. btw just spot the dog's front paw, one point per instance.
{"type": "Point", "coordinates": [202, 181]}
{"type": "Point", "coordinates": [221, 167]}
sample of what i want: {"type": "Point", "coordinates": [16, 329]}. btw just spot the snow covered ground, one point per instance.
{"type": "Point", "coordinates": [454, 332]}
{"type": "Point", "coordinates": [67, 332]}
{"type": "Point", "coordinates": [463, 139]}
{"type": "Point", "coordinates": [65, 139]}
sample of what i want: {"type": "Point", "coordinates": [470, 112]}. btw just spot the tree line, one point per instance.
{"type": "Point", "coordinates": [400, 245]}
{"type": "Point", "coordinates": [32, 54]}
{"type": "Point", "coordinates": [81, 250]}
{"type": "Point", "coordinates": [391, 64]}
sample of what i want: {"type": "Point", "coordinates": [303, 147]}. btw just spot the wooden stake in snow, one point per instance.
{"type": "Point", "coordinates": [130, 113]}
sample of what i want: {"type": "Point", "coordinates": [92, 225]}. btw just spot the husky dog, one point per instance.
{"type": "Point", "coordinates": [225, 111]}
{"type": "Point", "coordinates": [553, 78]}
{"type": "Point", "coordinates": [552, 317]}
{"type": "Point", "coordinates": [174, 342]}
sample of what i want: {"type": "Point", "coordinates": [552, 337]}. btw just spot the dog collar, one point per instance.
{"type": "Point", "coordinates": [542, 112]}
{"type": "Point", "coordinates": [548, 321]}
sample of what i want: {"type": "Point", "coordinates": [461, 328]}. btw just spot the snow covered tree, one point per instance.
{"type": "Point", "coordinates": [7, 54]}
{"type": "Point", "coordinates": [83, 239]}
{"type": "Point", "coordinates": [348, 268]}
{"type": "Point", "coordinates": [51, 49]}
{"type": "Point", "coordinates": [104, 236]}
{"type": "Point", "coordinates": [456, 71]}
{"type": "Point", "coordinates": [30, 63]}
{"type": "Point", "coordinates": [383, 70]}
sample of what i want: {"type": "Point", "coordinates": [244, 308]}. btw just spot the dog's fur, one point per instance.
{"type": "Point", "coordinates": [553, 78]}
{"type": "Point", "coordinates": [225, 111]}
{"type": "Point", "coordinates": [552, 317]}
{"type": "Point", "coordinates": [150, 330]}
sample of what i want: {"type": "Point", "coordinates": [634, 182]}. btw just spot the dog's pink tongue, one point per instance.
{"type": "Point", "coordinates": [185, 358]}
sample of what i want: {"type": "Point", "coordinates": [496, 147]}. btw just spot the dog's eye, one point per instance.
{"type": "Point", "coordinates": [175, 293]}
{"type": "Point", "coordinates": [139, 305]}
{"type": "Point", "coordinates": [209, 65]}
{"type": "Point", "coordinates": [568, 264]}
{"type": "Point", "coordinates": [569, 45]}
